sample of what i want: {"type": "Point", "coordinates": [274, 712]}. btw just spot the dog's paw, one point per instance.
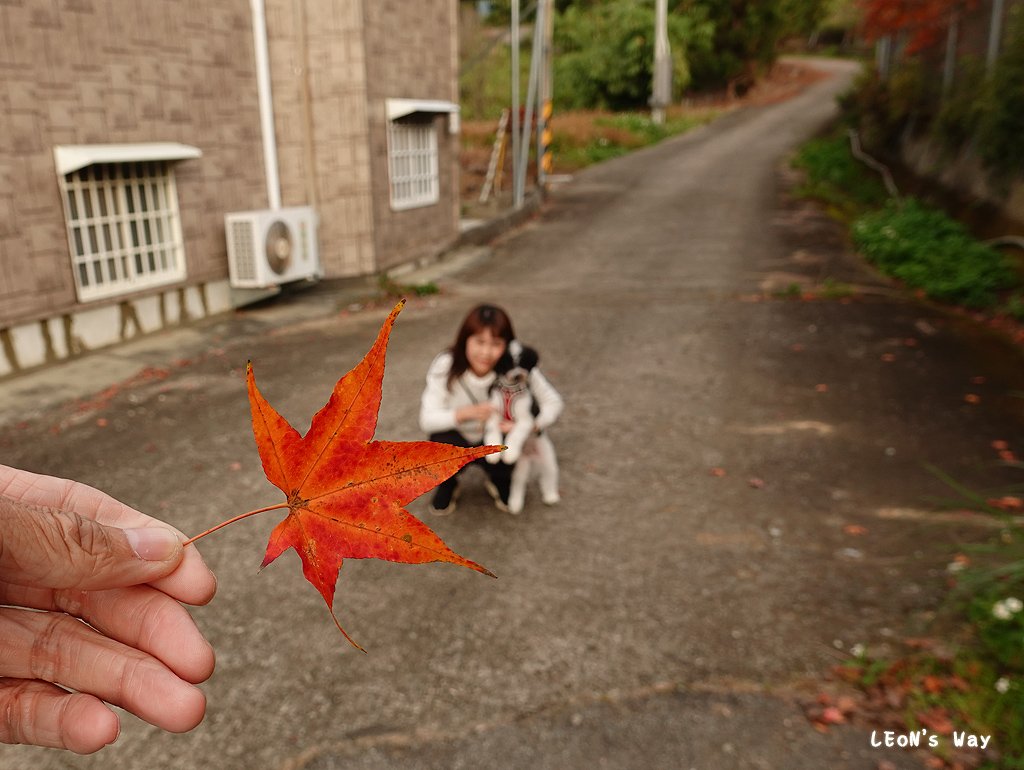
{"type": "Point", "coordinates": [554, 499]}
{"type": "Point", "coordinates": [495, 458]}
{"type": "Point", "coordinates": [510, 456]}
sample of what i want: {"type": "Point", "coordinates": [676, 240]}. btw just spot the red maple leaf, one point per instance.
{"type": "Point", "coordinates": [346, 492]}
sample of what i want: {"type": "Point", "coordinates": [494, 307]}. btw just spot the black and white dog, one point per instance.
{"type": "Point", "coordinates": [530, 451]}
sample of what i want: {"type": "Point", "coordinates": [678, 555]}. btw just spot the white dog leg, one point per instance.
{"type": "Point", "coordinates": [547, 471]}
{"type": "Point", "coordinates": [517, 489]}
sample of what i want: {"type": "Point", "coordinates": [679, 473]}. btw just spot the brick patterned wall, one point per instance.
{"type": "Point", "coordinates": [102, 71]}
{"type": "Point", "coordinates": [119, 71]}
{"type": "Point", "coordinates": [319, 85]}
{"type": "Point", "coordinates": [413, 49]}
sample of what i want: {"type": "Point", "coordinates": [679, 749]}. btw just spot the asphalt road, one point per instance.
{"type": "Point", "coordinates": [664, 615]}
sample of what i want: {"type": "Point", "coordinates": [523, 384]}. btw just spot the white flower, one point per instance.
{"type": "Point", "coordinates": [956, 566]}
{"type": "Point", "coordinates": [1002, 684]}
{"type": "Point", "coordinates": [857, 650]}
{"type": "Point", "coordinates": [1007, 608]}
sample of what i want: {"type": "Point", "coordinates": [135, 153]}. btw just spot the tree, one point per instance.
{"type": "Point", "coordinates": [604, 52]}
{"type": "Point", "coordinates": [744, 41]}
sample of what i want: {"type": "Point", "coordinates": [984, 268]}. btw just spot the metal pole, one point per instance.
{"type": "Point", "coordinates": [544, 93]}
{"type": "Point", "coordinates": [661, 86]}
{"type": "Point", "coordinates": [515, 102]}
{"type": "Point", "coordinates": [995, 34]}
{"type": "Point", "coordinates": [949, 66]}
{"type": "Point", "coordinates": [266, 104]}
{"type": "Point", "coordinates": [883, 56]}
{"type": "Point", "coordinates": [531, 95]}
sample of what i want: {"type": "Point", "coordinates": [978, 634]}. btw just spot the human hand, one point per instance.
{"type": "Point", "coordinates": [80, 555]}
{"type": "Point", "coordinates": [478, 412]}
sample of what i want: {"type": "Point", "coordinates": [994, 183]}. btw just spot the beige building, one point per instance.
{"type": "Point", "coordinates": [131, 131]}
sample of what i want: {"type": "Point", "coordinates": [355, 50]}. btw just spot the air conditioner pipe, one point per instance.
{"type": "Point", "coordinates": [266, 103]}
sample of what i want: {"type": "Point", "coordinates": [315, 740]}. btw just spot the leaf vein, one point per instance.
{"type": "Point", "coordinates": [375, 479]}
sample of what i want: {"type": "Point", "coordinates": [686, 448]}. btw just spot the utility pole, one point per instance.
{"type": "Point", "coordinates": [661, 87]}
{"type": "Point", "coordinates": [544, 97]}
{"type": "Point", "coordinates": [995, 35]}
{"type": "Point", "coordinates": [531, 99]}
{"type": "Point", "coordinates": [949, 65]}
{"type": "Point", "coordinates": [515, 102]}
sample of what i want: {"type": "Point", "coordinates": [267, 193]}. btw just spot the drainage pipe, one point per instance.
{"type": "Point", "coordinates": [266, 103]}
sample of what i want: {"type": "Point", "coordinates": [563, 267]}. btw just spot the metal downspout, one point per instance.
{"type": "Point", "coordinates": [266, 103]}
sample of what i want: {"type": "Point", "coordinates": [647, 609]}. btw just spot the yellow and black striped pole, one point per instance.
{"type": "Point", "coordinates": [544, 159]}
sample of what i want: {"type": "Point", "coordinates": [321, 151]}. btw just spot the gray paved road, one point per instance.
{"type": "Point", "coordinates": [662, 616]}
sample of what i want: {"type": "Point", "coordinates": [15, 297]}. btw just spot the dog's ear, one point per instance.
{"type": "Point", "coordinates": [504, 364]}
{"type": "Point", "coordinates": [528, 358]}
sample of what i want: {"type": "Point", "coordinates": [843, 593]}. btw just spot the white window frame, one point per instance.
{"type": "Point", "coordinates": [124, 227]}
{"type": "Point", "coordinates": [412, 163]}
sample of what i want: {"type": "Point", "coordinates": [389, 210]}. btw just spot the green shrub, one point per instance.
{"type": "Point", "coordinates": [964, 106]}
{"type": "Point", "coordinates": [998, 618]}
{"type": "Point", "coordinates": [581, 141]}
{"type": "Point", "coordinates": [1014, 306]}
{"type": "Point", "coordinates": [835, 177]}
{"type": "Point", "coordinates": [926, 249]}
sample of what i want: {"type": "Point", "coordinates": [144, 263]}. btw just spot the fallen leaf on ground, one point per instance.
{"type": "Point", "coordinates": [932, 684]}
{"type": "Point", "coordinates": [936, 719]}
{"type": "Point", "coordinates": [717, 472]}
{"type": "Point", "coordinates": [756, 483]}
{"type": "Point", "coordinates": [345, 492]}
{"type": "Point", "coordinates": [972, 398]}
{"type": "Point", "coordinates": [831, 715]}
{"type": "Point", "coordinates": [888, 357]}
{"type": "Point", "coordinates": [821, 388]}
{"type": "Point", "coordinates": [855, 529]}
{"type": "Point", "coordinates": [1000, 445]}
{"type": "Point", "coordinates": [1007, 503]}
{"type": "Point", "coordinates": [920, 642]}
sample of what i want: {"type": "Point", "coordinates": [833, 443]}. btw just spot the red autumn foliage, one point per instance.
{"type": "Point", "coordinates": [923, 22]}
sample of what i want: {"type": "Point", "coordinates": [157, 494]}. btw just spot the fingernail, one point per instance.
{"type": "Point", "coordinates": [153, 543]}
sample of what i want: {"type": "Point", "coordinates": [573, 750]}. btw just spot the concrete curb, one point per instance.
{"type": "Point", "coordinates": [506, 220]}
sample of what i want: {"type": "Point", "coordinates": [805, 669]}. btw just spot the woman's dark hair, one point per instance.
{"type": "Point", "coordinates": [479, 318]}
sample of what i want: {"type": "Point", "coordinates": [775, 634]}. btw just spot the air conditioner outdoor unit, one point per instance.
{"type": "Point", "coordinates": [271, 247]}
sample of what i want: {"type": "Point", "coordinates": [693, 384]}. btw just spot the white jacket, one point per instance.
{"type": "Point", "coordinates": [438, 404]}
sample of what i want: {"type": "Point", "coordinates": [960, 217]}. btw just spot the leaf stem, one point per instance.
{"type": "Point", "coordinates": [232, 520]}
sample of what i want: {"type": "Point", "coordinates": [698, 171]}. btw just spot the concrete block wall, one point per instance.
{"type": "Point", "coordinates": [415, 48]}
{"type": "Point", "coordinates": [120, 71]}
{"type": "Point", "coordinates": [318, 64]}
{"type": "Point", "coordinates": [127, 71]}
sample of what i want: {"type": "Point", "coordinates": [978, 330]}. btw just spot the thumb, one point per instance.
{"type": "Point", "coordinates": [48, 548]}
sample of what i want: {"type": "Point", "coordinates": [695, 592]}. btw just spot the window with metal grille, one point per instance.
{"type": "Point", "coordinates": [124, 228]}
{"type": "Point", "coordinates": [412, 163]}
